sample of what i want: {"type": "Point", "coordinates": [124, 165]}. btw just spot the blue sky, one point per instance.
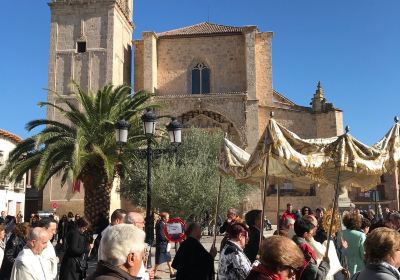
{"type": "Point", "coordinates": [353, 47]}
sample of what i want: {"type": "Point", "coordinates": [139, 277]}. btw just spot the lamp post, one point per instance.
{"type": "Point", "coordinates": [149, 126]}
{"type": "Point", "coordinates": [174, 128]}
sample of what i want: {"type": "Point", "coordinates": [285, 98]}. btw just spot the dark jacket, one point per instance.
{"type": "Point", "coordinates": [14, 245]}
{"type": "Point", "coordinates": [192, 261]}
{"type": "Point", "coordinates": [77, 246]}
{"type": "Point", "coordinates": [375, 272]}
{"type": "Point", "coordinates": [251, 249]}
{"type": "Point", "coordinates": [106, 271]}
{"type": "Point", "coordinates": [310, 271]}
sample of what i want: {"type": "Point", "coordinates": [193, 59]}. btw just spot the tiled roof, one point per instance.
{"type": "Point", "coordinates": [205, 29]}
{"type": "Point", "coordinates": [10, 136]}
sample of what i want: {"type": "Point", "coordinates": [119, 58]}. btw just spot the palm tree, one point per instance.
{"type": "Point", "coordinates": [80, 146]}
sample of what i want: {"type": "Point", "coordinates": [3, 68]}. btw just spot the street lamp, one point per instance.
{"type": "Point", "coordinates": [174, 128]}
{"type": "Point", "coordinates": [121, 132]}
{"type": "Point", "coordinates": [149, 122]}
{"type": "Point", "coordinates": [175, 131]}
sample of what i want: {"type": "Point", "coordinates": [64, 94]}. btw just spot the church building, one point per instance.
{"type": "Point", "coordinates": [220, 77]}
{"type": "Point", "coordinates": [207, 75]}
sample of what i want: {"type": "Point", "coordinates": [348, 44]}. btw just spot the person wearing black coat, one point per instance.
{"type": "Point", "coordinates": [162, 253]}
{"type": "Point", "coordinates": [253, 220]}
{"type": "Point", "coordinates": [74, 263]}
{"type": "Point", "coordinates": [192, 261]}
{"type": "Point", "coordinates": [14, 245]}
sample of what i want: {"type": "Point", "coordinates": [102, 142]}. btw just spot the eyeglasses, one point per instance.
{"type": "Point", "coordinates": [291, 269]}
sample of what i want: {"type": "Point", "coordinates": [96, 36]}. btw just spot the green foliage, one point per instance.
{"type": "Point", "coordinates": [80, 143]}
{"type": "Point", "coordinates": [186, 182]}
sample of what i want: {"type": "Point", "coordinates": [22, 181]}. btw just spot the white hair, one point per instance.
{"type": "Point", "coordinates": [130, 218]}
{"type": "Point", "coordinates": [119, 241]}
{"type": "Point", "coordinates": [36, 233]}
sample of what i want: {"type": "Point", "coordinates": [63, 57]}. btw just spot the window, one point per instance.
{"type": "Point", "coordinates": [81, 47]}
{"type": "Point", "coordinates": [200, 79]}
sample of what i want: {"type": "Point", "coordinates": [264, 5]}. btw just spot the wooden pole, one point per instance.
{"type": "Point", "coordinates": [264, 194]}
{"type": "Point", "coordinates": [396, 180]}
{"type": "Point", "coordinates": [278, 206]}
{"type": "Point", "coordinates": [216, 210]}
{"type": "Point", "coordinates": [335, 206]}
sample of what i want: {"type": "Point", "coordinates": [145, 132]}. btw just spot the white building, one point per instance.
{"type": "Point", "coordinates": [12, 196]}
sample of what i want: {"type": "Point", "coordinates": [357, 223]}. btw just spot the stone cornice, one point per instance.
{"type": "Point", "coordinates": [203, 96]}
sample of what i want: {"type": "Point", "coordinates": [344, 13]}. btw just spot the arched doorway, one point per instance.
{"type": "Point", "coordinates": [211, 121]}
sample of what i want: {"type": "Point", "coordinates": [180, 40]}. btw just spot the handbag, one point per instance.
{"type": "Point", "coordinates": [82, 266]}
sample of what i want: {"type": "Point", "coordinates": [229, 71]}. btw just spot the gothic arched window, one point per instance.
{"type": "Point", "coordinates": [200, 79]}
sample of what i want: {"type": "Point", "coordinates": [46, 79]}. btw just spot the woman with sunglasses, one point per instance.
{"type": "Point", "coordinates": [280, 258]}
{"type": "Point", "coordinates": [233, 263]}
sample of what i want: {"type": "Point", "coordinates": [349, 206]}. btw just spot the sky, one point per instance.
{"type": "Point", "coordinates": [351, 46]}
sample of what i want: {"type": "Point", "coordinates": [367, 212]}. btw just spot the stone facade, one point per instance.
{"type": "Point", "coordinates": [241, 95]}
{"type": "Point", "coordinates": [91, 44]}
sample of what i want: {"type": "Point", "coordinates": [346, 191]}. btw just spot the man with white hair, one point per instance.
{"type": "Point", "coordinates": [49, 254]}
{"type": "Point", "coordinates": [29, 264]}
{"type": "Point", "coordinates": [122, 250]}
{"type": "Point", "coordinates": [137, 219]}
{"type": "Point", "coordinates": [288, 226]}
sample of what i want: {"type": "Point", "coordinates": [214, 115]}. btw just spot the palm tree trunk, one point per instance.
{"type": "Point", "coordinates": [97, 201]}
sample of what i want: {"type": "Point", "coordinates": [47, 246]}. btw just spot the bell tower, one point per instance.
{"type": "Point", "coordinates": [91, 44]}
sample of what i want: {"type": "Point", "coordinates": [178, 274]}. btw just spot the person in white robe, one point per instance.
{"type": "Point", "coordinates": [49, 254]}
{"type": "Point", "coordinates": [29, 265]}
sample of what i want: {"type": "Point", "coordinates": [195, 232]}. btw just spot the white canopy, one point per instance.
{"type": "Point", "coordinates": [312, 160]}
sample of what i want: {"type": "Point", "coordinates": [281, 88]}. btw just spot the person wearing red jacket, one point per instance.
{"type": "Point", "coordinates": [288, 214]}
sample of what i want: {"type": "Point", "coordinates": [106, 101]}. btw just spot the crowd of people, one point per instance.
{"type": "Point", "coordinates": [368, 247]}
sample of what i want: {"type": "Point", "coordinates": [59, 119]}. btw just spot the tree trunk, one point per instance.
{"type": "Point", "coordinates": [97, 201]}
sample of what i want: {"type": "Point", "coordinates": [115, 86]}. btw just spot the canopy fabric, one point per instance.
{"type": "Point", "coordinates": [307, 160]}
{"type": "Point", "coordinates": [390, 145]}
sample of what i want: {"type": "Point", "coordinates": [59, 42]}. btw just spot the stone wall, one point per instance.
{"type": "Point", "coordinates": [264, 68]}
{"type": "Point", "coordinates": [138, 65]}
{"type": "Point", "coordinates": [224, 55]}
{"type": "Point", "coordinates": [329, 124]}
{"type": "Point", "coordinates": [121, 49]}
{"type": "Point", "coordinates": [300, 122]}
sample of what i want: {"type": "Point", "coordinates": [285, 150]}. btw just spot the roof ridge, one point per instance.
{"type": "Point", "coordinates": [180, 28]}
{"type": "Point", "coordinates": [13, 137]}
{"type": "Point", "coordinates": [284, 97]}
{"type": "Point", "coordinates": [203, 28]}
